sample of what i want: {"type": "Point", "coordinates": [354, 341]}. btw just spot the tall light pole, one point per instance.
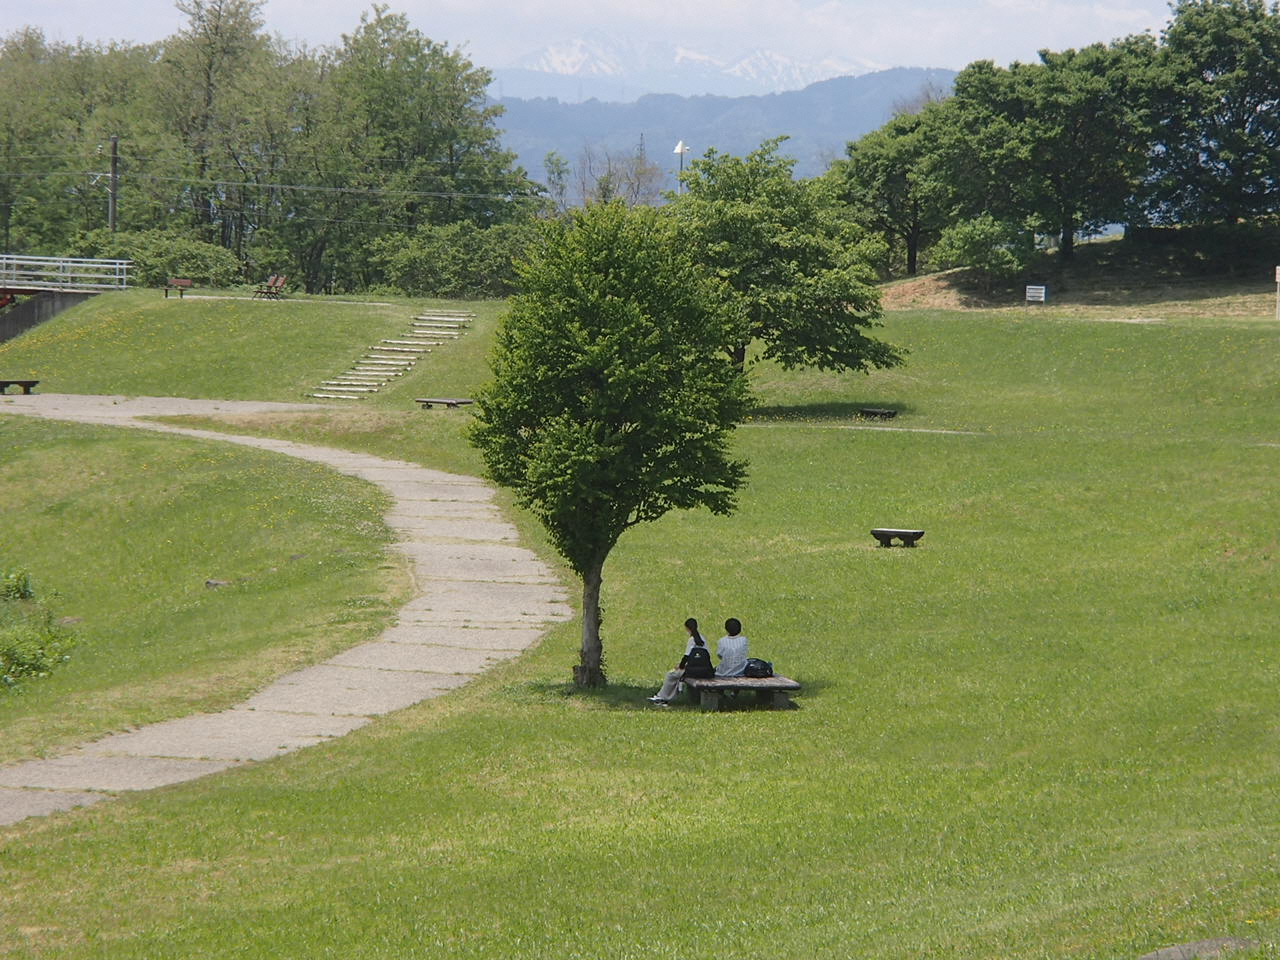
{"type": "Point", "coordinates": [680, 151]}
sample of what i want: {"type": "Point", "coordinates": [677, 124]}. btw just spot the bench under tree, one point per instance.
{"type": "Point", "coordinates": [772, 691]}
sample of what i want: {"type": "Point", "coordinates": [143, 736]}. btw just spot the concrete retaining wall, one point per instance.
{"type": "Point", "coordinates": [36, 310]}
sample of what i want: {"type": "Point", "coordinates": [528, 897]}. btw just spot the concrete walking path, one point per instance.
{"type": "Point", "coordinates": [479, 598]}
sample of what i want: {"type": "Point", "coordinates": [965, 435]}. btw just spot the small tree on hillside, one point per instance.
{"type": "Point", "coordinates": [793, 266]}
{"type": "Point", "coordinates": [612, 400]}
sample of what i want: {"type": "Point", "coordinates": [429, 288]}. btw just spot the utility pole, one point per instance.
{"type": "Point", "coordinates": [113, 192]}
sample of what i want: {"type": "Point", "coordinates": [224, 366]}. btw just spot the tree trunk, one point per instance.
{"type": "Point", "coordinates": [913, 253]}
{"type": "Point", "coordinates": [739, 354]}
{"type": "Point", "coordinates": [1067, 242]}
{"type": "Point", "coordinates": [590, 670]}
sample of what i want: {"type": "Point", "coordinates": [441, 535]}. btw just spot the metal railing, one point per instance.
{"type": "Point", "coordinates": [63, 273]}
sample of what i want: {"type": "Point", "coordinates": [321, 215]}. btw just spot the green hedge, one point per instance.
{"type": "Point", "coordinates": [158, 255]}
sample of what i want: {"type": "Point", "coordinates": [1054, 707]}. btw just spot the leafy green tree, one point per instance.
{"type": "Point", "coordinates": [1061, 143]}
{"type": "Point", "coordinates": [454, 260]}
{"type": "Point", "coordinates": [993, 250]}
{"type": "Point", "coordinates": [612, 401]}
{"type": "Point", "coordinates": [794, 267]}
{"type": "Point", "coordinates": [890, 177]}
{"type": "Point", "coordinates": [1217, 145]}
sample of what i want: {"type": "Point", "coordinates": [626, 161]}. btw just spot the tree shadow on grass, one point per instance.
{"type": "Point", "coordinates": [833, 410]}
{"type": "Point", "coordinates": [631, 696]}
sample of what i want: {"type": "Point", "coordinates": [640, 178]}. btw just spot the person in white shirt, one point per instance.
{"type": "Point", "coordinates": [695, 655]}
{"type": "Point", "coordinates": [732, 650]}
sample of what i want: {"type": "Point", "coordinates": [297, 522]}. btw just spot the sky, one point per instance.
{"type": "Point", "coordinates": [924, 33]}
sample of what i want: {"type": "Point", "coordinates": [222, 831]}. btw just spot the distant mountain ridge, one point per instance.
{"type": "Point", "coordinates": [601, 67]}
{"type": "Point", "coordinates": [820, 119]}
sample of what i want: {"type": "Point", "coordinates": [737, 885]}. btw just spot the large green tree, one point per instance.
{"type": "Point", "coordinates": [1060, 144]}
{"type": "Point", "coordinates": [891, 178]}
{"type": "Point", "coordinates": [1217, 143]}
{"type": "Point", "coordinates": [794, 267]}
{"type": "Point", "coordinates": [612, 401]}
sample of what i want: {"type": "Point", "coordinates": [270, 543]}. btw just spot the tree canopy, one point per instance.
{"type": "Point", "coordinates": [793, 267]}
{"type": "Point", "coordinates": [295, 159]}
{"type": "Point", "coordinates": [612, 401]}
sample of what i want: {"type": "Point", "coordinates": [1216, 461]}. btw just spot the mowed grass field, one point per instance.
{"type": "Point", "coordinates": [141, 344]}
{"type": "Point", "coordinates": [1050, 731]}
{"type": "Point", "coordinates": [128, 526]}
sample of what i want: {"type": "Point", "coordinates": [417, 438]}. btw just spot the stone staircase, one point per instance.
{"type": "Point", "coordinates": [389, 359]}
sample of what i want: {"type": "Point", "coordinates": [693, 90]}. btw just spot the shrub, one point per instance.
{"type": "Point", "coordinates": [457, 260]}
{"type": "Point", "coordinates": [994, 250]}
{"type": "Point", "coordinates": [32, 644]}
{"type": "Point", "coordinates": [158, 255]}
{"type": "Point", "coordinates": [16, 585]}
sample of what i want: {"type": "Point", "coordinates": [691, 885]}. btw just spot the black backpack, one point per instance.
{"type": "Point", "coordinates": [697, 664]}
{"type": "Point", "coordinates": [757, 668]}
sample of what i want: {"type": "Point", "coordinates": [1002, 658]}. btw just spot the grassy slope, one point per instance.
{"type": "Point", "coordinates": [128, 526]}
{"type": "Point", "coordinates": [139, 343]}
{"type": "Point", "coordinates": [1048, 732]}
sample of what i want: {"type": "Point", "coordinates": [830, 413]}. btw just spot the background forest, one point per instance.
{"type": "Point", "coordinates": [379, 161]}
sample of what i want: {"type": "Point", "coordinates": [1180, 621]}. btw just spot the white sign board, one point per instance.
{"type": "Point", "coordinates": [1039, 294]}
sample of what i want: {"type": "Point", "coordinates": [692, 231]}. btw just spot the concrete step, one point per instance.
{"type": "Point", "coordinates": [335, 396]}
{"type": "Point", "coordinates": [347, 388]}
{"type": "Point", "coordinates": [403, 349]}
{"type": "Point", "coordinates": [379, 371]}
{"type": "Point", "coordinates": [410, 343]}
{"type": "Point", "coordinates": [385, 362]}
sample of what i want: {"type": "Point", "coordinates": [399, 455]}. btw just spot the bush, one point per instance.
{"type": "Point", "coordinates": [31, 642]}
{"type": "Point", "coordinates": [158, 255]}
{"type": "Point", "coordinates": [994, 250]}
{"type": "Point", "coordinates": [456, 260]}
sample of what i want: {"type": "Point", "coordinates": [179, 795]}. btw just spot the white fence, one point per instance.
{"type": "Point", "coordinates": [63, 273]}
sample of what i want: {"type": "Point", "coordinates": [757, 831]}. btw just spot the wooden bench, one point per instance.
{"type": "Point", "coordinates": [774, 691]}
{"type": "Point", "coordinates": [26, 385]}
{"type": "Point", "coordinates": [886, 536]}
{"type": "Point", "coordinates": [443, 401]}
{"type": "Point", "coordinates": [877, 413]}
{"type": "Point", "coordinates": [273, 289]}
{"type": "Point", "coordinates": [177, 283]}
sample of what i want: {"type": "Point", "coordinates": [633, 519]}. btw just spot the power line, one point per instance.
{"type": "Point", "coordinates": [318, 188]}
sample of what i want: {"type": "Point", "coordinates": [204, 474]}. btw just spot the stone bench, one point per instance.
{"type": "Point", "coordinates": [454, 402]}
{"type": "Point", "coordinates": [886, 536]}
{"type": "Point", "coordinates": [26, 385]}
{"type": "Point", "coordinates": [774, 691]}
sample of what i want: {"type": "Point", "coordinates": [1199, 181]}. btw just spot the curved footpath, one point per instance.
{"type": "Point", "coordinates": [479, 598]}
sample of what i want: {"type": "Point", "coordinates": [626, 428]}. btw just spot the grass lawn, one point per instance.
{"type": "Point", "coordinates": [128, 526]}
{"type": "Point", "coordinates": [141, 344]}
{"type": "Point", "coordinates": [1050, 731]}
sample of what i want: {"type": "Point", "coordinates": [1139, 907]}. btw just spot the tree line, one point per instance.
{"type": "Point", "coordinates": [296, 160]}
{"type": "Point", "coordinates": [1179, 130]}
{"type": "Point", "coordinates": [378, 160]}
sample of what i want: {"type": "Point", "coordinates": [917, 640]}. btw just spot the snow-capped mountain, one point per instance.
{"type": "Point", "coordinates": [607, 68]}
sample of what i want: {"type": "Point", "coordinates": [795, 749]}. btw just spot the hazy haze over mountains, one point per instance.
{"type": "Point", "coordinates": [820, 119]}
{"type": "Point", "coordinates": [602, 67]}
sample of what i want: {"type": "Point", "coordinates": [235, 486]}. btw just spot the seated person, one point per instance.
{"type": "Point", "coordinates": [696, 662]}
{"type": "Point", "coordinates": [732, 650]}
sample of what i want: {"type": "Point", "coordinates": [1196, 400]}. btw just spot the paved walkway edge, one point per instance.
{"type": "Point", "coordinates": [479, 598]}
